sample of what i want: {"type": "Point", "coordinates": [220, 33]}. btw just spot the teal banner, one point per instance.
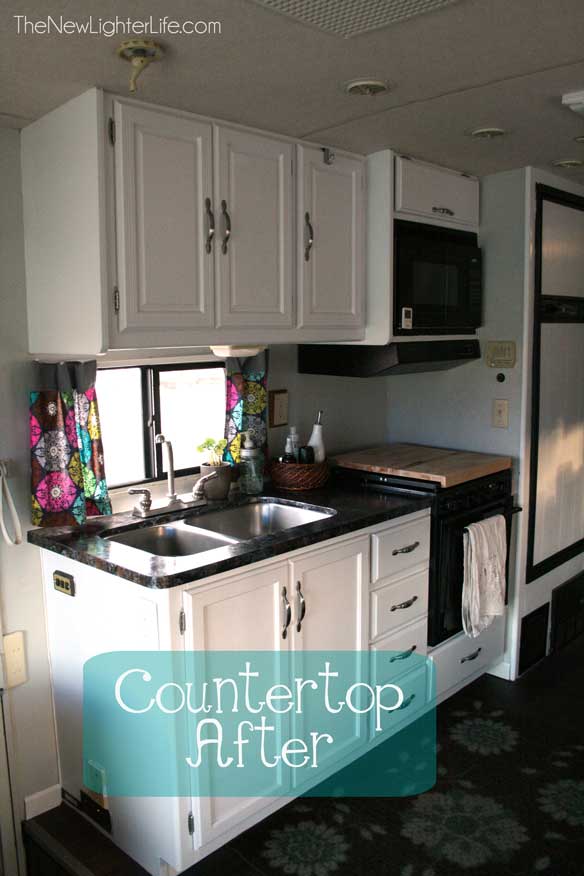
{"type": "Point", "coordinates": [259, 723]}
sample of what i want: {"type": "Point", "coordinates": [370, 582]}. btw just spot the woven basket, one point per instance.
{"type": "Point", "coordinates": [295, 476]}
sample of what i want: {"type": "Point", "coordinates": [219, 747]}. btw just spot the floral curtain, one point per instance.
{"type": "Point", "coordinates": [68, 477]}
{"type": "Point", "coordinates": [246, 403]}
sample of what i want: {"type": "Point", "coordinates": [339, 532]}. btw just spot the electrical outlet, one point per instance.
{"type": "Point", "coordinates": [14, 659]}
{"type": "Point", "coordinates": [500, 415]}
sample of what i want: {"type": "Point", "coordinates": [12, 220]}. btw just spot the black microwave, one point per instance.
{"type": "Point", "coordinates": [437, 280]}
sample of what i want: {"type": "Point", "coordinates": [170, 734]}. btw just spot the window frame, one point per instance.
{"type": "Point", "coordinates": [151, 417]}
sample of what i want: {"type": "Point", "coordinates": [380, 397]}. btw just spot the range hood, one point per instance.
{"type": "Point", "coordinates": [407, 357]}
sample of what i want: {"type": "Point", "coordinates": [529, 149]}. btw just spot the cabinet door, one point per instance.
{"type": "Point", "coordinates": [330, 234]}
{"type": "Point", "coordinates": [244, 613]}
{"type": "Point", "coordinates": [436, 194]}
{"type": "Point", "coordinates": [163, 178]}
{"type": "Point", "coordinates": [334, 586]}
{"type": "Point", "coordinates": [253, 255]}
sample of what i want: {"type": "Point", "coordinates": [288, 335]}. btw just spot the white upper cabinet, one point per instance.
{"type": "Point", "coordinates": [149, 228]}
{"type": "Point", "coordinates": [434, 194]}
{"type": "Point", "coordinates": [163, 184]}
{"type": "Point", "coordinates": [253, 245]}
{"type": "Point", "coordinates": [330, 237]}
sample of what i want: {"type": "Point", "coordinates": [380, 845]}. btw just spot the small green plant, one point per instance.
{"type": "Point", "coordinates": [213, 449]}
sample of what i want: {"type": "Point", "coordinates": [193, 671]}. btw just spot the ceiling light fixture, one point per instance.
{"type": "Point", "coordinates": [366, 87]}
{"type": "Point", "coordinates": [140, 53]}
{"type": "Point", "coordinates": [487, 133]}
{"type": "Point", "coordinates": [568, 163]}
{"type": "Point", "coordinates": [579, 139]}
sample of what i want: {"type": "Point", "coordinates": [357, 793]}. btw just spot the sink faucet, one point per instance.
{"type": "Point", "coordinates": [160, 439]}
{"type": "Point", "coordinates": [199, 488]}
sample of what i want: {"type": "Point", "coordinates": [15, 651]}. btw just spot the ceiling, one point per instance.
{"type": "Point", "coordinates": [468, 64]}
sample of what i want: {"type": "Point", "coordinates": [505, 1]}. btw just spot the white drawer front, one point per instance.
{"type": "Point", "coordinates": [435, 193]}
{"type": "Point", "coordinates": [410, 640]}
{"type": "Point", "coordinates": [462, 657]}
{"type": "Point", "coordinates": [399, 548]}
{"type": "Point", "coordinates": [415, 689]}
{"type": "Point", "coordinates": [399, 603]}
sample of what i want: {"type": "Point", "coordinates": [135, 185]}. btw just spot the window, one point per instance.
{"type": "Point", "coordinates": [184, 402]}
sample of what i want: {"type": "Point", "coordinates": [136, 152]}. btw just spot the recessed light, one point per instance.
{"type": "Point", "coordinates": [579, 139]}
{"type": "Point", "coordinates": [567, 163]}
{"type": "Point", "coordinates": [487, 133]}
{"type": "Point", "coordinates": [366, 87]}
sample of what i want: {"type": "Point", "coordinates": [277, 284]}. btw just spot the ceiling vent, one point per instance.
{"type": "Point", "coordinates": [348, 18]}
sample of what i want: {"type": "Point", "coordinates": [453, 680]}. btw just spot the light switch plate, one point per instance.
{"type": "Point", "coordinates": [500, 416]}
{"type": "Point", "coordinates": [14, 659]}
{"type": "Point", "coordinates": [278, 405]}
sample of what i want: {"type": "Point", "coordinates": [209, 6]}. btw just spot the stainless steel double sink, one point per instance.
{"type": "Point", "coordinates": [215, 529]}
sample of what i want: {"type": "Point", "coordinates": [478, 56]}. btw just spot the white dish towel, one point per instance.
{"type": "Point", "coordinates": [483, 590]}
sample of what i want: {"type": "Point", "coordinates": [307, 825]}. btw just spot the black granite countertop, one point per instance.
{"type": "Point", "coordinates": [354, 509]}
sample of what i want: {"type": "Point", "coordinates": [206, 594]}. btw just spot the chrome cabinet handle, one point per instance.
{"type": "Point", "coordinates": [210, 225]}
{"type": "Point", "coordinates": [404, 654]}
{"type": "Point", "coordinates": [227, 233]}
{"type": "Point", "coordinates": [472, 656]}
{"type": "Point", "coordinates": [308, 236]}
{"type": "Point", "coordinates": [406, 550]}
{"type": "Point", "coordinates": [407, 702]}
{"type": "Point", "coordinates": [287, 613]}
{"type": "Point", "coordinates": [301, 610]}
{"type": "Point", "coordinates": [444, 211]}
{"type": "Point", "coordinates": [405, 604]}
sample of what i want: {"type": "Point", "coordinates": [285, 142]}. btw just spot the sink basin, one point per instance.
{"type": "Point", "coordinates": [171, 540]}
{"type": "Point", "coordinates": [257, 518]}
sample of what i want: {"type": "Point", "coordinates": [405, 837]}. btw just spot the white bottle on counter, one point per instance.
{"type": "Point", "coordinates": [316, 440]}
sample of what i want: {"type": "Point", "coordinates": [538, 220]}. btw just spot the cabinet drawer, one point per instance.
{"type": "Point", "coordinates": [399, 548]}
{"type": "Point", "coordinates": [410, 640]}
{"type": "Point", "coordinates": [399, 603]}
{"type": "Point", "coordinates": [461, 657]}
{"type": "Point", "coordinates": [415, 689]}
{"type": "Point", "coordinates": [435, 193]}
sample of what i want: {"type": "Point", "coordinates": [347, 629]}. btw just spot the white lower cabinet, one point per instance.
{"type": "Point", "coordinates": [320, 598]}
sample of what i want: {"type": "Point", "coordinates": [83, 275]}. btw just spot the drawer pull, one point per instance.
{"type": "Point", "coordinates": [405, 604]}
{"type": "Point", "coordinates": [444, 211]}
{"type": "Point", "coordinates": [286, 613]}
{"type": "Point", "coordinates": [407, 702]}
{"type": "Point", "coordinates": [301, 609]}
{"type": "Point", "coordinates": [404, 654]}
{"type": "Point", "coordinates": [405, 550]}
{"type": "Point", "coordinates": [472, 656]}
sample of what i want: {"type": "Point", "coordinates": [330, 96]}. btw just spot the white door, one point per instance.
{"type": "Point", "coordinates": [244, 613]}
{"type": "Point", "coordinates": [329, 589]}
{"type": "Point", "coordinates": [330, 235]}
{"type": "Point", "coordinates": [163, 211]}
{"type": "Point", "coordinates": [253, 256]}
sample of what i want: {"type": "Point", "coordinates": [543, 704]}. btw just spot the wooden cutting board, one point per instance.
{"type": "Point", "coordinates": [446, 467]}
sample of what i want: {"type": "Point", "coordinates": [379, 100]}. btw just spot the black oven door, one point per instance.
{"type": "Point", "coordinates": [437, 281]}
{"type": "Point", "coordinates": [445, 615]}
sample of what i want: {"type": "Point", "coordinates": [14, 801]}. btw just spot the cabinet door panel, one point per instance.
{"type": "Point", "coordinates": [334, 584]}
{"type": "Point", "coordinates": [435, 193]}
{"type": "Point", "coordinates": [242, 614]}
{"type": "Point", "coordinates": [254, 269]}
{"type": "Point", "coordinates": [330, 269]}
{"type": "Point", "coordinates": [163, 177]}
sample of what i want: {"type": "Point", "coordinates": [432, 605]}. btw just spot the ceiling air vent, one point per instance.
{"type": "Point", "coordinates": [348, 18]}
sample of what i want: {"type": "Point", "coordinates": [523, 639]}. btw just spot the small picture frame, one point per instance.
{"type": "Point", "coordinates": [278, 407]}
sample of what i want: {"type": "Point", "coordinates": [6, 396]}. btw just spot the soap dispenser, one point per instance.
{"type": "Point", "coordinates": [251, 481]}
{"type": "Point", "coordinates": [316, 440]}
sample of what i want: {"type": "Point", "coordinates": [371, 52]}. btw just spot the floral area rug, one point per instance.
{"type": "Point", "coordinates": [509, 799]}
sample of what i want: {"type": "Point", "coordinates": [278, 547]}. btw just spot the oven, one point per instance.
{"type": "Point", "coordinates": [453, 509]}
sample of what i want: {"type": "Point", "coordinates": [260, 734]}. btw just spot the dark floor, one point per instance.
{"type": "Point", "coordinates": [509, 800]}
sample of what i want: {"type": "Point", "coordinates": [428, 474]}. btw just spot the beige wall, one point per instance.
{"type": "Point", "coordinates": [34, 761]}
